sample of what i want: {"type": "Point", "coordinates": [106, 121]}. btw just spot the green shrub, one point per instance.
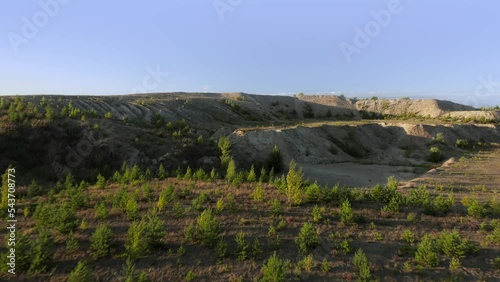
{"type": "Point", "coordinates": [325, 265]}
{"type": "Point", "coordinates": [132, 208]}
{"type": "Point", "coordinates": [359, 259]}
{"type": "Point", "coordinates": [383, 194]}
{"type": "Point", "coordinates": [251, 177]}
{"type": "Point", "coordinates": [34, 189]}
{"type": "Point", "coordinates": [453, 245]}
{"type": "Point", "coordinates": [434, 155]}
{"type": "Point", "coordinates": [64, 220]}
{"type": "Point", "coordinates": [166, 197]}
{"type": "Point", "coordinates": [346, 212]}
{"type": "Point", "coordinates": [154, 230]}
{"type": "Point", "coordinates": [199, 201]}
{"type": "Point", "coordinates": [147, 192]}
{"type": "Point", "coordinates": [317, 213]}
{"type": "Point", "coordinates": [42, 253]}
{"type": "Point", "coordinates": [313, 193]}
{"type": "Point", "coordinates": [121, 198]}
{"type": "Point", "coordinates": [496, 263]}
{"type": "Point", "coordinates": [273, 270]}
{"type": "Point", "coordinates": [408, 236]}
{"type": "Point", "coordinates": [258, 193]}
{"type": "Point", "coordinates": [189, 174]}
{"type": "Point", "coordinates": [72, 243]}
{"type": "Point", "coordinates": [462, 144]}
{"type": "Point", "coordinates": [101, 181]}
{"type": "Point", "coordinates": [361, 264]}
{"type": "Point", "coordinates": [494, 237]}
{"type": "Point", "coordinates": [294, 191]}
{"type": "Point", "coordinates": [135, 245]}
{"type": "Point", "coordinates": [101, 240]}
{"type": "Point", "coordinates": [308, 238]}
{"type": "Point", "coordinates": [475, 209]}
{"type": "Point", "coordinates": [440, 205]}
{"type": "Point", "coordinates": [276, 207]}
{"type": "Point", "coordinates": [426, 253]}
{"type": "Point", "coordinates": [208, 228]}
{"type": "Point", "coordinates": [231, 173]}
{"type": "Point", "coordinates": [241, 246]}
{"type": "Point", "coordinates": [81, 273]}
{"type": "Point", "coordinates": [101, 211]}
{"type": "Point", "coordinates": [439, 138]}
{"type": "Point", "coordinates": [221, 249]}
{"type": "Point", "coordinates": [162, 174]}
{"type": "Point", "coordinates": [275, 160]}
{"type": "Point", "coordinates": [418, 196]}
{"type": "Point", "coordinates": [308, 263]}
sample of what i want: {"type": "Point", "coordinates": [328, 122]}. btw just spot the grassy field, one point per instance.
{"type": "Point", "coordinates": [195, 226]}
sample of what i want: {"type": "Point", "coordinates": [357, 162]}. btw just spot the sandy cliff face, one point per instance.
{"type": "Point", "coordinates": [391, 144]}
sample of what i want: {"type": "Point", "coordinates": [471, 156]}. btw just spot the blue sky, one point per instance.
{"type": "Point", "coordinates": [428, 48]}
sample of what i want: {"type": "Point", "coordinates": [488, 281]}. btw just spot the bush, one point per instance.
{"type": "Point", "coordinates": [64, 220]}
{"type": "Point", "coordinates": [475, 209]}
{"type": "Point", "coordinates": [276, 207]}
{"type": "Point", "coordinates": [434, 155]}
{"type": "Point", "coordinates": [135, 245]}
{"type": "Point", "coordinates": [231, 173]}
{"type": "Point", "coordinates": [440, 205]}
{"type": "Point", "coordinates": [360, 263]}
{"type": "Point", "coordinates": [408, 236]}
{"type": "Point", "coordinates": [199, 201]}
{"type": "Point", "coordinates": [317, 213]}
{"type": "Point", "coordinates": [294, 191]}
{"type": "Point", "coordinates": [346, 212]}
{"type": "Point", "coordinates": [273, 270]}
{"type": "Point", "coordinates": [166, 197]}
{"type": "Point", "coordinates": [453, 245]}
{"type": "Point", "coordinates": [81, 273]}
{"type": "Point", "coordinates": [132, 208]}
{"type": "Point", "coordinates": [101, 211]}
{"type": "Point", "coordinates": [208, 228]}
{"type": "Point", "coordinates": [72, 243]}
{"type": "Point", "coordinates": [313, 193]}
{"type": "Point", "coordinates": [251, 177]}
{"type": "Point", "coordinates": [162, 174]}
{"type": "Point", "coordinates": [101, 181]}
{"type": "Point", "coordinates": [308, 238]}
{"type": "Point", "coordinates": [258, 193]}
{"type": "Point", "coordinates": [101, 241]}
{"type": "Point", "coordinates": [426, 253]}
{"type": "Point", "coordinates": [34, 190]}
{"type": "Point", "coordinates": [382, 194]}
{"type": "Point", "coordinates": [462, 144]}
{"type": "Point", "coordinates": [42, 253]}
{"type": "Point", "coordinates": [241, 246]}
{"type": "Point", "coordinates": [275, 160]}
{"type": "Point", "coordinates": [154, 228]}
{"type": "Point", "coordinates": [418, 196]}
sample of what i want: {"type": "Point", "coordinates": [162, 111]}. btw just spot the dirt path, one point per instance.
{"type": "Point", "coordinates": [357, 175]}
{"type": "Point", "coordinates": [479, 171]}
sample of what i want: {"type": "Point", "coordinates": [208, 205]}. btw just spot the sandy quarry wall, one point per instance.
{"type": "Point", "coordinates": [381, 143]}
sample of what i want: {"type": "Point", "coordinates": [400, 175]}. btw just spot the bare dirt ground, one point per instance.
{"type": "Point", "coordinates": [358, 175]}
{"type": "Point", "coordinates": [477, 172]}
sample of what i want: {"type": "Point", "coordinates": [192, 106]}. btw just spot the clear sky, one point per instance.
{"type": "Point", "coordinates": [438, 48]}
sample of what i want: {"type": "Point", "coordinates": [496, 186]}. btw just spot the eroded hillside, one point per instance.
{"type": "Point", "coordinates": [48, 136]}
